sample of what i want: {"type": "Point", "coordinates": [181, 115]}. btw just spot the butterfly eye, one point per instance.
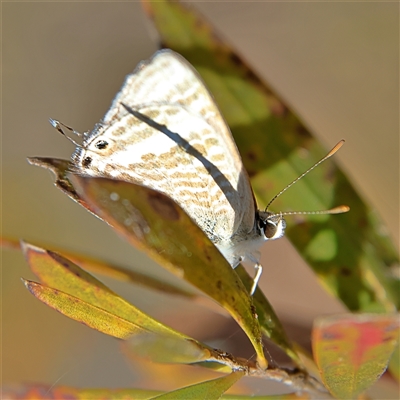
{"type": "Point", "coordinates": [276, 228]}
{"type": "Point", "coordinates": [87, 161]}
{"type": "Point", "coordinates": [270, 229]}
{"type": "Point", "coordinates": [101, 144]}
{"type": "Point", "coordinates": [271, 225]}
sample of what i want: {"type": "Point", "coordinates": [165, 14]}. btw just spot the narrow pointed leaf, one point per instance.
{"type": "Point", "coordinates": [210, 390]}
{"type": "Point", "coordinates": [57, 271]}
{"type": "Point", "coordinates": [80, 296]}
{"type": "Point", "coordinates": [75, 308]}
{"type": "Point", "coordinates": [154, 223]}
{"type": "Point", "coordinates": [349, 253]}
{"type": "Point", "coordinates": [353, 351]}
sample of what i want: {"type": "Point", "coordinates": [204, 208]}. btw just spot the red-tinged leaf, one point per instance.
{"type": "Point", "coordinates": [209, 390]}
{"type": "Point", "coordinates": [353, 351]}
{"type": "Point", "coordinates": [154, 223]}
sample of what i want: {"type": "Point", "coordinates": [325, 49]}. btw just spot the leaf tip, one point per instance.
{"type": "Point", "coordinates": [27, 284]}
{"type": "Point", "coordinates": [28, 248]}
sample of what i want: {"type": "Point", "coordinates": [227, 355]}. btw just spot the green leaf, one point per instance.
{"type": "Point", "coordinates": [353, 351]}
{"type": "Point", "coordinates": [155, 224]}
{"type": "Point", "coordinates": [349, 253]}
{"type": "Point", "coordinates": [209, 390]}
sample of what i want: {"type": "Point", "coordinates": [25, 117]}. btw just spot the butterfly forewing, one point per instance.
{"type": "Point", "coordinates": [165, 131]}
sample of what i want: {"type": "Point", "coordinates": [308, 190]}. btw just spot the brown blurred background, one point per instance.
{"type": "Point", "coordinates": [336, 64]}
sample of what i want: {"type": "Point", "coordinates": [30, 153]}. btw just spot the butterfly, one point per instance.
{"type": "Point", "coordinates": [165, 131]}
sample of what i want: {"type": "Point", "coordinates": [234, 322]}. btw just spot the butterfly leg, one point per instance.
{"type": "Point", "coordinates": [259, 269]}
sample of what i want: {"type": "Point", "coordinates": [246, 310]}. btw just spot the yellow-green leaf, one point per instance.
{"type": "Point", "coordinates": [209, 390]}
{"type": "Point", "coordinates": [349, 253]}
{"type": "Point", "coordinates": [353, 351]}
{"type": "Point", "coordinates": [83, 298]}
{"type": "Point", "coordinates": [92, 316]}
{"type": "Point", "coordinates": [80, 296]}
{"type": "Point", "coordinates": [154, 223]}
{"type": "Point", "coordinates": [58, 272]}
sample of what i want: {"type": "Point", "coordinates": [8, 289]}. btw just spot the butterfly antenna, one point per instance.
{"type": "Point", "coordinates": [59, 126]}
{"type": "Point", "coordinates": [330, 154]}
{"type": "Point", "coordinates": [335, 210]}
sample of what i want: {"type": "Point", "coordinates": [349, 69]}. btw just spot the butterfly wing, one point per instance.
{"type": "Point", "coordinates": [164, 130]}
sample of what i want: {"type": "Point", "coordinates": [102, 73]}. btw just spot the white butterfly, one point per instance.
{"type": "Point", "coordinates": [164, 131]}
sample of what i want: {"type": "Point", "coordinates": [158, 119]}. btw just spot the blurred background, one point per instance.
{"type": "Point", "coordinates": [335, 64]}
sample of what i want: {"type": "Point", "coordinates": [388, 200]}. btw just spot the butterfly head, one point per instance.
{"type": "Point", "coordinates": [272, 226]}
